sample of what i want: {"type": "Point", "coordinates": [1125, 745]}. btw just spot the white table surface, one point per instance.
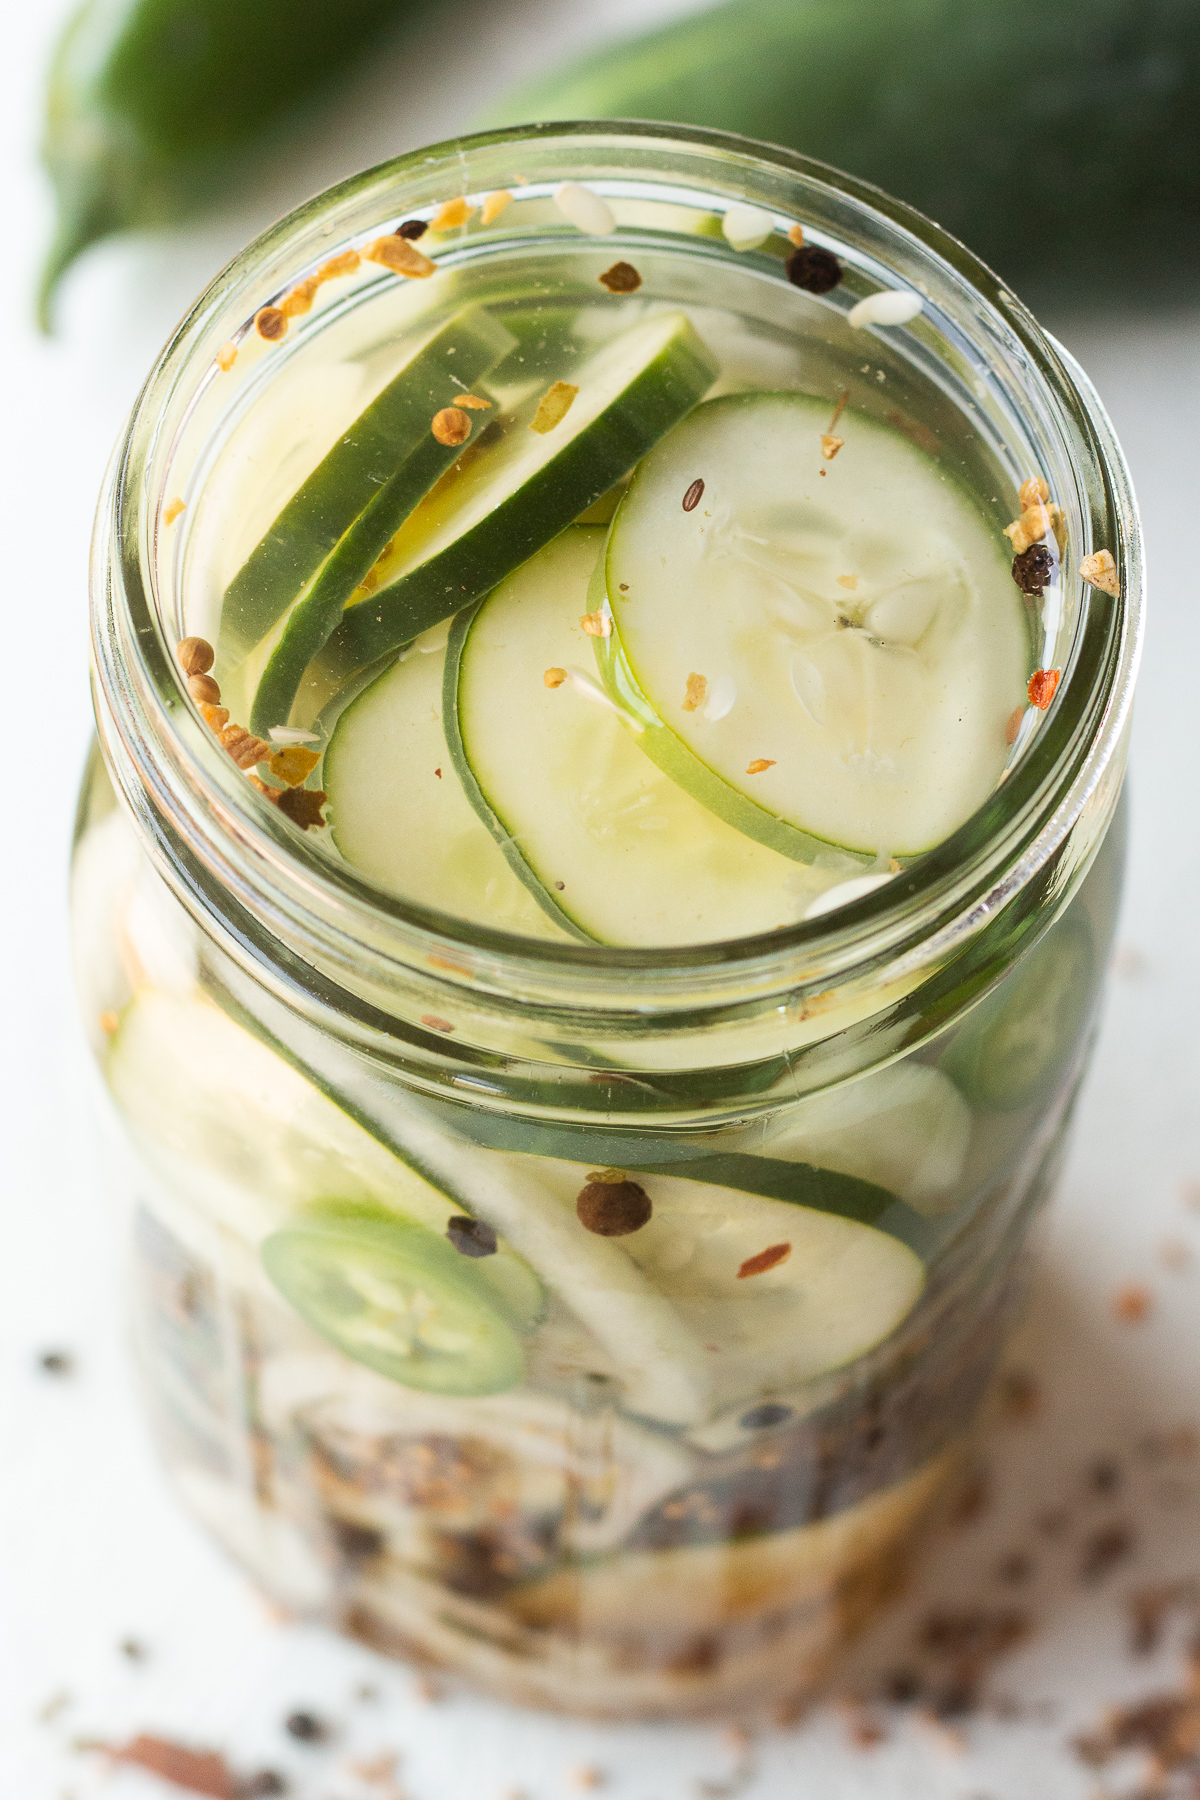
{"type": "Point", "coordinates": [92, 1547]}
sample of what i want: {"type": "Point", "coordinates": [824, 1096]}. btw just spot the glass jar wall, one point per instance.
{"type": "Point", "coordinates": [599, 1323]}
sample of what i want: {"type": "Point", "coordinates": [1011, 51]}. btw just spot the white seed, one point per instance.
{"type": "Point", "coordinates": [843, 894]}
{"type": "Point", "coordinates": [747, 226]}
{"type": "Point", "coordinates": [291, 734]}
{"type": "Point", "coordinates": [585, 209]}
{"type": "Point", "coordinates": [888, 307]}
{"type": "Point", "coordinates": [722, 698]}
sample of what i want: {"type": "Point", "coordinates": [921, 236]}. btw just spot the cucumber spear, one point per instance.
{"type": "Point", "coordinates": [1059, 139]}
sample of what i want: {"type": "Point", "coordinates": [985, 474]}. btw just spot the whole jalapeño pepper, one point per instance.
{"type": "Point", "coordinates": [152, 103]}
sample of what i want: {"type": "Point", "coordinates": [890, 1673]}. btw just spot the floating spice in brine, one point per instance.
{"type": "Point", "coordinates": [195, 655]}
{"type": "Point", "coordinates": [451, 426]}
{"type": "Point", "coordinates": [697, 692]}
{"type": "Point", "coordinates": [412, 229]}
{"type": "Point", "coordinates": [398, 255]}
{"type": "Point", "coordinates": [770, 1258]}
{"type": "Point", "coordinates": [495, 204]}
{"type": "Point", "coordinates": [830, 445]}
{"type": "Point", "coordinates": [1043, 684]}
{"type": "Point", "coordinates": [553, 407]}
{"type": "Point", "coordinates": [692, 498]}
{"type": "Point", "coordinates": [471, 1237]}
{"type": "Point", "coordinates": [172, 510]}
{"type": "Point", "coordinates": [454, 212]}
{"type": "Point", "coordinates": [759, 764]}
{"type": "Point", "coordinates": [554, 678]}
{"type": "Point", "coordinates": [302, 806]}
{"type": "Point", "coordinates": [622, 278]}
{"type": "Point", "coordinates": [813, 269]}
{"type": "Point", "coordinates": [1100, 571]}
{"type": "Point", "coordinates": [270, 323]}
{"type": "Point", "coordinates": [611, 1205]}
{"type": "Point", "coordinates": [1032, 569]}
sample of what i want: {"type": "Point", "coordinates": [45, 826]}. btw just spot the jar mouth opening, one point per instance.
{"type": "Point", "coordinates": [196, 792]}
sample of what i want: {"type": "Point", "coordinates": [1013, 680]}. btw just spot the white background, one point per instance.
{"type": "Point", "coordinates": [92, 1549]}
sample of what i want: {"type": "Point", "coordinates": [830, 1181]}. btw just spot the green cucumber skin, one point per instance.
{"type": "Point", "coordinates": [314, 617]}
{"type": "Point", "coordinates": [1040, 134]}
{"type": "Point", "coordinates": [356, 469]}
{"type": "Point", "coordinates": [669, 751]}
{"type": "Point", "coordinates": [456, 644]}
{"type": "Point", "coordinates": [588, 466]}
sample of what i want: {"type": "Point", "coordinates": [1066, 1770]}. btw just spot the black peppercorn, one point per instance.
{"type": "Point", "coordinates": [471, 1237]}
{"type": "Point", "coordinates": [813, 269]}
{"type": "Point", "coordinates": [759, 1418]}
{"type": "Point", "coordinates": [612, 1206]}
{"type": "Point", "coordinates": [306, 1727]}
{"type": "Point", "coordinates": [1033, 569]}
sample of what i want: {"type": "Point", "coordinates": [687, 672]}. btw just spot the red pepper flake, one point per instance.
{"type": "Point", "coordinates": [769, 1258]}
{"type": "Point", "coordinates": [271, 323]}
{"type": "Point", "coordinates": [1014, 724]}
{"type": "Point", "coordinates": [814, 269]}
{"type": "Point", "coordinates": [436, 1023]}
{"type": "Point", "coordinates": [695, 493]}
{"type": "Point", "coordinates": [1132, 1303]}
{"type": "Point", "coordinates": [199, 1771]}
{"type": "Point", "coordinates": [1043, 685]}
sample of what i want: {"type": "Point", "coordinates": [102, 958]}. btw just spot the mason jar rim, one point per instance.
{"type": "Point", "coordinates": [182, 786]}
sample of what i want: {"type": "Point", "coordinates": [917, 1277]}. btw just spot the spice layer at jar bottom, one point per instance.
{"type": "Point", "coordinates": [558, 571]}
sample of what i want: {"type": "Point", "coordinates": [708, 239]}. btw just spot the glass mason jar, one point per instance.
{"type": "Point", "coordinates": [632, 1484]}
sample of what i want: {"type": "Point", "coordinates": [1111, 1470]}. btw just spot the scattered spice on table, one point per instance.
{"type": "Point", "coordinates": [1133, 1303]}
{"type": "Point", "coordinates": [1104, 1550]}
{"type": "Point", "coordinates": [306, 1727]}
{"type": "Point", "coordinates": [197, 1771]}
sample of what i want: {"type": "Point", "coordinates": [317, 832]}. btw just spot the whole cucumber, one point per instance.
{"type": "Point", "coordinates": [154, 105]}
{"type": "Point", "coordinates": [1059, 139]}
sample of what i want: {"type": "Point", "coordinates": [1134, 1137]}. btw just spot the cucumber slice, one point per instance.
{"type": "Point", "coordinates": [514, 493]}
{"type": "Point", "coordinates": [408, 827]}
{"type": "Point", "coordinates": [861, 638]}
{"type": "Point", "coordinates": [590, 825]}
{"type": "Point", "coordinates": [208, 1093]}
{"type": "Point", "coordinates": [906, 1127]}
{"type": "Point", "coordinates": [1020, 1040]}
{"type": "Point", "coordinates": [842, 1288]}
{"type": "Point", "coordinates": [396, 1297]}
{"type": "Point", "coordinates": [361, 462]}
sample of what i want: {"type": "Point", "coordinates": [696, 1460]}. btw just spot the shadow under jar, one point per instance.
{"type": "Point", "coordinates": [576, 1198]}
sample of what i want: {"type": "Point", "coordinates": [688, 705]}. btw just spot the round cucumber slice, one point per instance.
{"type": "Point", "coordinates": [860, 639]}
{"type": "Point", "coordinates": [1020, 1039]}
{"type": "Point", "coordinates": [397, 809]}
{"type": "Point", "coordinates": [596, 831]}
{"type": "Point", "coordinates": [396, 1297]}
{"type": "Point", "coordinates": [352, 472]}
{"type": "Point", "coordinates": [519, 486]}
{"type": "Point", "coordinates": [839, 1288]}
{"type": "Point", "coordinates": [193, 1082]}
